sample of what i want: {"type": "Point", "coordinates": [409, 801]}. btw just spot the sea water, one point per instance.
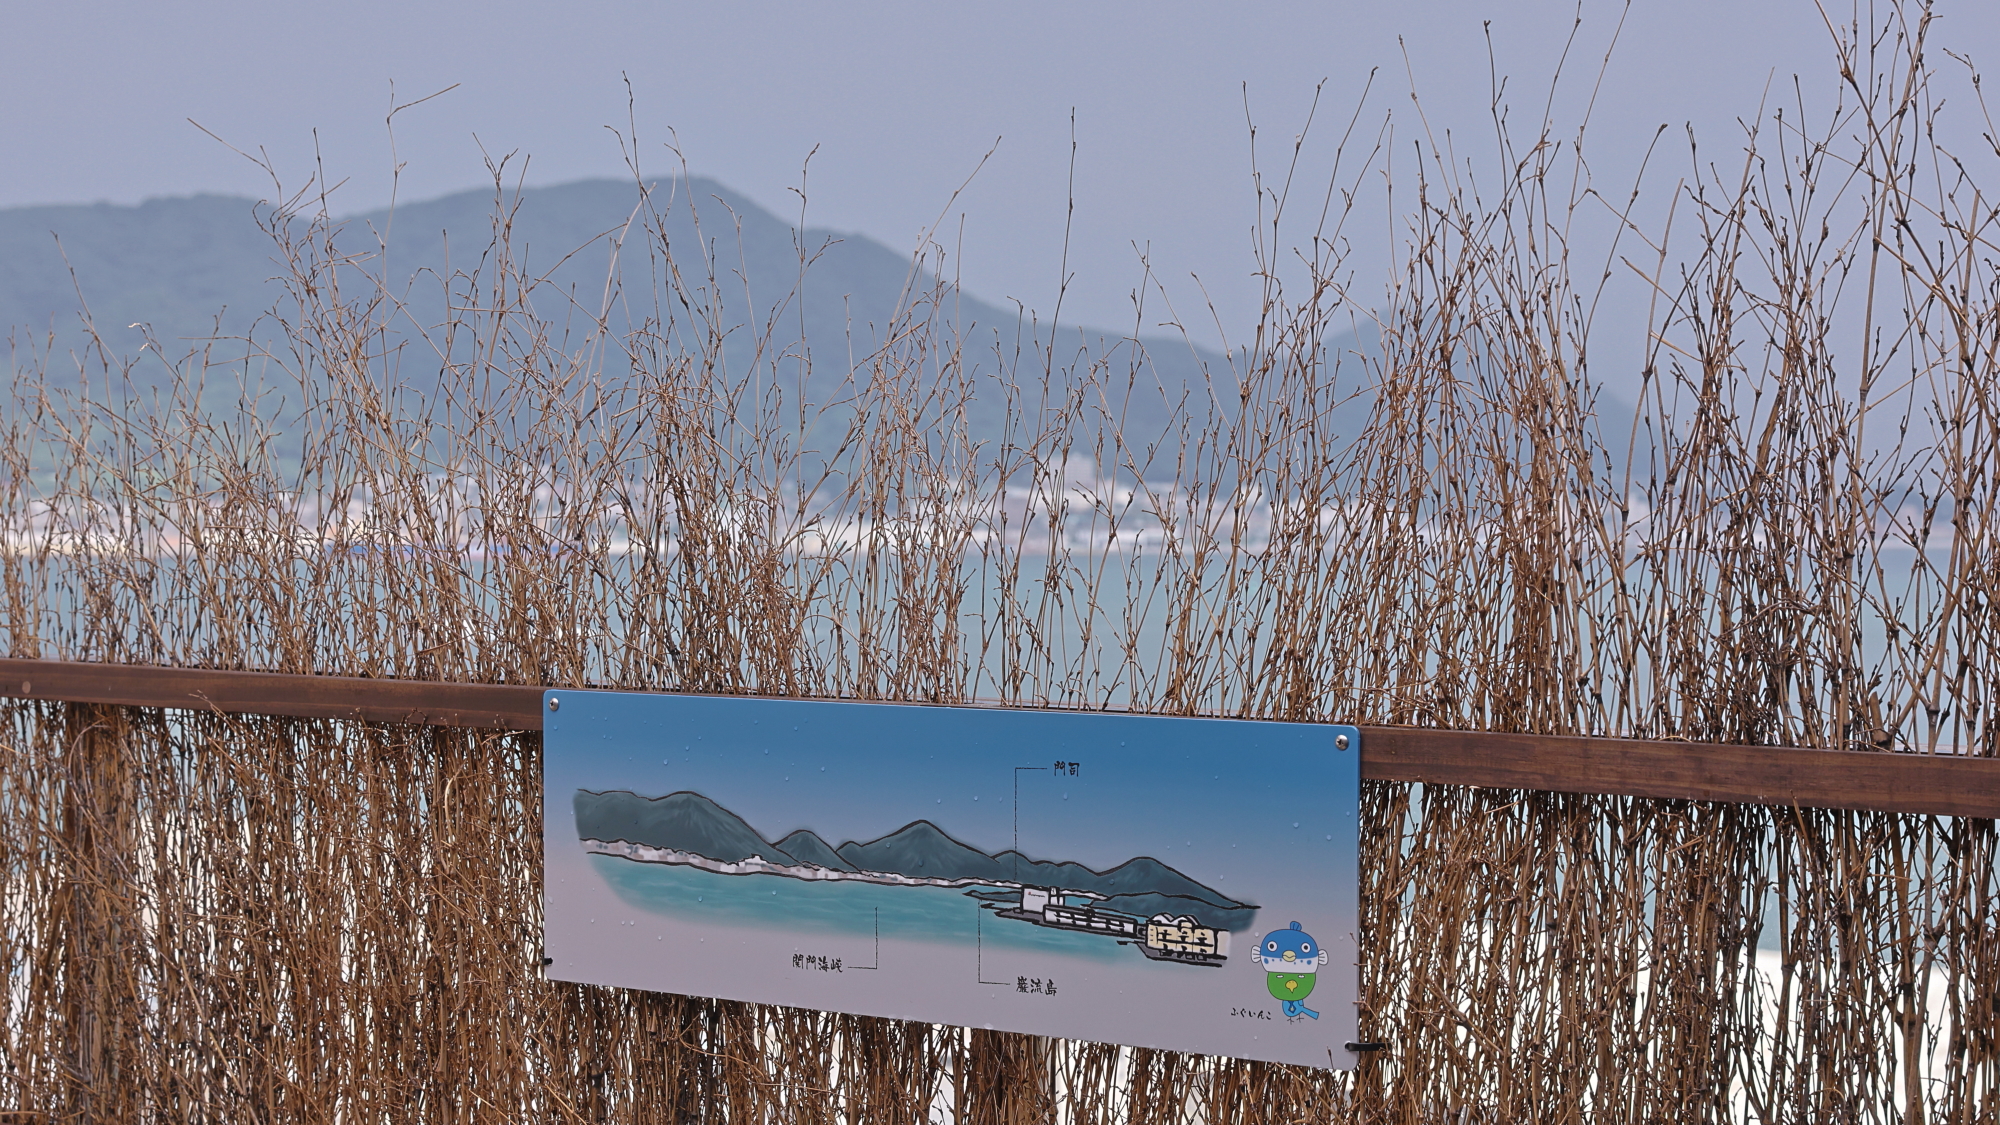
{"type": "Point", "coordinates": [937, 914]}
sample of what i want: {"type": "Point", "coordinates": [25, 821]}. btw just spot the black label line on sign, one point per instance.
{"type": "Point", "coordinates": [878, 946]}
{"type": "Point", "coordinates": [1017, 817]}
{"type": "Point", "coordinates": [979, 948]}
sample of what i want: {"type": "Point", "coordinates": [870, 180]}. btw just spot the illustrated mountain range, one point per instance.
{"type": "Point", "coordinates": [690, 822]}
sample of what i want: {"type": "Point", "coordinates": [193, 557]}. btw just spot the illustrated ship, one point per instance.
{"type": "Point", "coordinates": [1163, 937]}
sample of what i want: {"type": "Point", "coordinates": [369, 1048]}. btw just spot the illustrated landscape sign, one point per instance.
{"type": "Point", "coordinates": [1185, 884]}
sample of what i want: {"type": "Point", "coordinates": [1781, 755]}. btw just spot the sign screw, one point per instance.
{"type": "Point", "coordinates": [1339, 740]}
{"type": "Point", "coordinates": [554, 703]}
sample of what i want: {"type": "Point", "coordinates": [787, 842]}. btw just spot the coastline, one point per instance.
{"type": "Point", "coordinates": [811, 872]}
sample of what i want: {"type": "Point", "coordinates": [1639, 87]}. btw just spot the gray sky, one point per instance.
{"type": "Point", "coordinates": [901, 99]}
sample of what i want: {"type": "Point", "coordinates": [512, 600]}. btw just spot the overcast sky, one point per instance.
{"type": "Point", "coordinates": [901, 100]}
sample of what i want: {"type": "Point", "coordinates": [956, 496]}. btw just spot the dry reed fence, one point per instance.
{"type": "Point", "coordinates": [208, 918]}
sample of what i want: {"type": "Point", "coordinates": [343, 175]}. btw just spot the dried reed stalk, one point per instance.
{"type": "Point", "coordinates": [206, 918]}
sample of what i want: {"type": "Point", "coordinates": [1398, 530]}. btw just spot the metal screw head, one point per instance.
{"type": "Point", "coordinates": [554, 703]}
{"type": "Point", "coordinates": [1339, 740]}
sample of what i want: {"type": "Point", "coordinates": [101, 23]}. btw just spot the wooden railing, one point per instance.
{"type": "Point", "coordinates": [1936, 784]}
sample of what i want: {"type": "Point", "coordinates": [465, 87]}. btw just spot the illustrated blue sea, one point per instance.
{"type": "Point", "coordinates": [927, 913]}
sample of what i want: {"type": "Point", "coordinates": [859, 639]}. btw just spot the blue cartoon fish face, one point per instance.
{"type": "Point", "coordinates": [1290, 951]}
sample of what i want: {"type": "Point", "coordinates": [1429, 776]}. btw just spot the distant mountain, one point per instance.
{"type": "Point", "coordinates": [195, 267]}
{"type": "Point", "coordinates": [178, 264]}
{"type": "Point", "coordinates": [690, 822]}
{"type": "Point", "coordinates": [198, 266]}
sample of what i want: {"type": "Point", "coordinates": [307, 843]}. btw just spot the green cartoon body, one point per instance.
{"type": "Point", "coordinates": [1290, 986]}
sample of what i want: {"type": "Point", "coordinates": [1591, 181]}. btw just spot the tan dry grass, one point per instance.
{"type": "Point", "coordinates": [215, 919]}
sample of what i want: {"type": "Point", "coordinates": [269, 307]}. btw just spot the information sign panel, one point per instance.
{"type": "Point", "coordinates": [1186, 884]}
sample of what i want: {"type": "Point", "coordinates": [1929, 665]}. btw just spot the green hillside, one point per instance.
{"type": "Point", "coordinates": [201, 267]}
{"type": "Point", "coordinates": [186, 266]}
{"type": "Point", "coordinates": [176, 263]}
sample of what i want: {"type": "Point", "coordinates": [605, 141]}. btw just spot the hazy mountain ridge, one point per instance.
{"type": "Point", "coordinates": [175, 263]}
{"type": "Point", "coordinates": [192, 267]}
{"type": "Point", "coordinates": [179, 263]}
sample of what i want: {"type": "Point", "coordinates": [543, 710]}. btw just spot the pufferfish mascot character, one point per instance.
{"type": "Point", "coordinates": [1291, 961]}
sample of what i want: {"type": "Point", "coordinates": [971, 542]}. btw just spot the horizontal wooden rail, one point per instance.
{"type": "Point", "coordinates": [1936, 784]}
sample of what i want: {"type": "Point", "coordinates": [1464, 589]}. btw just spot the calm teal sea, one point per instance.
{"type": "Point", "coordinates": [935, 914]}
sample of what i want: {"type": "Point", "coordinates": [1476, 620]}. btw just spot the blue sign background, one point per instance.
{"type": "Point", "coordinates": [1235, 825]}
